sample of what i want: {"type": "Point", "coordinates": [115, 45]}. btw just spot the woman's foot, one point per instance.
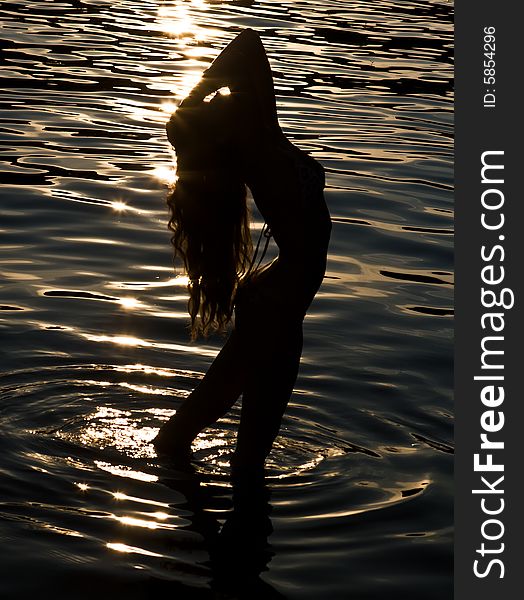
{"type": "Point", "coordinates": [168, 444]}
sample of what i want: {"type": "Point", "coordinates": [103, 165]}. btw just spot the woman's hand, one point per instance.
{"type": "Point", "coordinates": [224, 70]}
{"type": "Point", "coordinates": [244, 68]}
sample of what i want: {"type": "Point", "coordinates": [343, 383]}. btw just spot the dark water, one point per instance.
{"type": "Point", "coordinates": [95, 351]}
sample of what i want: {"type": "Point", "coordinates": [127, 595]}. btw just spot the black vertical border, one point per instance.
{"type": "Point", "coordinates": [478, 129]}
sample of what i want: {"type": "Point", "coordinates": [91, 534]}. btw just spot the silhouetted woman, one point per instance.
{"type": "Point", "coordinates": [222, 146]}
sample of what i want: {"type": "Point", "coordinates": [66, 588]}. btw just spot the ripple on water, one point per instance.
{"type": "Point", "coordinates": [83, 432]}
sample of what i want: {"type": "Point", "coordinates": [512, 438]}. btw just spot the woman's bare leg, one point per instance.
{"type": "Point", "coordinates": [274, 338]}
{"type": "Point", "coordinates": [264, 401]}
{"type": "Point", "coordinates": [261, 360]}
{"type": "Point", "coordinates": [210, 400]}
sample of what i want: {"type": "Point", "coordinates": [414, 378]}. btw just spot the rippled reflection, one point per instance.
{"type": "Point", "coordinates": [128, 340]}
{"type": "Point", "coordinates": [165, 174]}
{"type": "Point", "coordinates": [175, 19]}
{"type": "Point", "coordinates": [178, 22]}
{"type": "Point", "coordinates": [122, 496]}
{"type": "Point", "coordinates": [119, 547]}
{"type": "Point", "coordinates": [119, 206]}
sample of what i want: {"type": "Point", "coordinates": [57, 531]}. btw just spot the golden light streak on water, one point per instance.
{"type": "Point", "coordinates": [150, 370]}
{"type": "Point", "coordinates": [131, 341]}
{"type": "Point", "coordinates": [179, 280]}
{"type": "Point", "coordinates": [119, 547]}
{"type": "Point", "coordinates": [204, 442]}
{"type": "Point", "coordinates": [129, 302]}
{"type": "Point", "coordinates": [86, 240]}
{"type": "Point", "coordinates": [118, 206]}
{"type": "Point", "coordinates": [126, 497]}
{"type": "Point", "coordinates": [62, 530]}
{"type": "Point", "coordinates": [187, 82]}
{"type": "Point", "coordinates": [165, 174]}
{"type": "Point", "coordinates": [134, 522]}
{"type": "Point", "coordinates": [121, 340]}
{"type": "Point", "coordinates": [178, 22]}
{"type": "Point", "coordinates": [175, 20]}
{"type": "Point", "coordinates": [123, 471]}
{"type": "Point", "coordinates": [169, 107]}
{"type": "Point", "coordinates": [162, 516]}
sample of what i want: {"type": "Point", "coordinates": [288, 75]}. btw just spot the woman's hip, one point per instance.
{"type": "Point", "coordinates": [278, 293]}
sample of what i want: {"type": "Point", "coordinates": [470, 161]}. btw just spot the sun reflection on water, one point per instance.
{"type": "Point", "coordinates": [169, 107]}
{"type": "Point", "coordinates": [112, 428]}
{"type": "Point", "coordinates": [119, 547]}
{"type": "Point", "coordinates": [186, 83]}
{"type": "Point", "coordinates": [134, 522]}
{"type": "Point", "coordinates": [122, 496]}
{"type": "Point", "coordinates": [131, 341]}
{"type": "Point", "coordinates": [162, 516]}
{"type": "Point", "coordinates": [124, 471]}
{"type": "Point", "coordinates": [129, 302]}
{"type": "Point", "coordinates": [150, 370]}
{"type": "Point", "coordinates": [121, 340]}
{"type": "Point", "coordinates": [62, 530]}
{"type": "Point", "coordinates": [165, 174]}
{"type": "Point", "coordinates": [175, 20]}
{"type": "Point", "coordinates": [118, 206]}
{"type": "Point", "coordinates": [179, 280]}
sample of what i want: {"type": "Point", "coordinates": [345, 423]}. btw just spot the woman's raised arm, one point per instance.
{"type": "Point", "coordinates": [244, 68]}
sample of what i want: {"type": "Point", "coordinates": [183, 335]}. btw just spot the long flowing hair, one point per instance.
{"type": "Point", "coordinates": [208, 210]}
{"type": "Point", "coordinates": [210, 225]}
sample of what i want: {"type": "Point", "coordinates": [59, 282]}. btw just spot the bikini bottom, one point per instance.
{"type": "Point", "coordinates": [276, 293]}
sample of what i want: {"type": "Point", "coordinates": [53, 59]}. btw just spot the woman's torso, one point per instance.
{"type": "Point", "coordinates": [287, 187]}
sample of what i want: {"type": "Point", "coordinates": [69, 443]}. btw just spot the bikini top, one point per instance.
{"type": "Point", "coordinates": [266, 233]}
{"type": "Point", "coordinates": [312, 180]}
